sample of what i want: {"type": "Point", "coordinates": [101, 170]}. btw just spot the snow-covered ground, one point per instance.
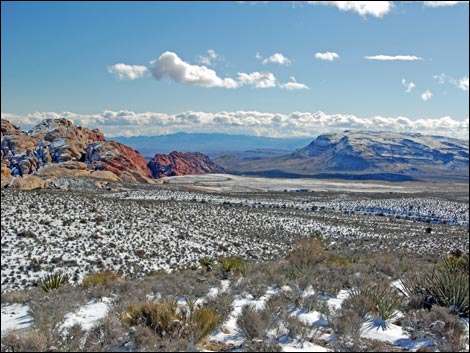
{"type": "Point", "coordinates": [15, 317]}
{"type": "Point", "coordinates": [145, 229]}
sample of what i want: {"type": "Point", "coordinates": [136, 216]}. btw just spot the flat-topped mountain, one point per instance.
{"type": "Point", "coordinates": [366, 155]}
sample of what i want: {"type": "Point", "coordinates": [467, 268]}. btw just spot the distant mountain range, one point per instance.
{"type": "Point", "coordinates": [364, 155]}
{"type": "Point", "coordinates": [213, 144]}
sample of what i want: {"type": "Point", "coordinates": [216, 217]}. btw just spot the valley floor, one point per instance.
{"type": "Point", "coordinates": [143, 233]}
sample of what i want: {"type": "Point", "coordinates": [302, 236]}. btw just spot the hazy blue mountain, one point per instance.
{"type": "Point", "coordinates": [211, 143]}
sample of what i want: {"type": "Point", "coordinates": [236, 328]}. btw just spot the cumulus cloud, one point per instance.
{"type": "Point", "coordinates": [409, 86]}
{"type": "Point", "coordinates": [329, 56]}
{"type": "Point", "coordinates": [394, 57]}
{"type": "Point", "coordinates": [442, 3]}
{"type": "Point", "coordinates": [257, 79]}
{"type": "Point", "coordinates": [170, 65]}
{"type": "Point", "coordinates": [129, 123]}
{"type": "Point", "coordinates": [130, 72]}
{"type": "Point", "coordinates": [276, 58]}
{"type": "Point", "coordinates": [426, 95]}
{"type": "Point", "coordinates": [363, 8]}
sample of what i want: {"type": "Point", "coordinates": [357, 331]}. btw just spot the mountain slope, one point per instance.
{"type": "Point", "coordinates": [381, 155]}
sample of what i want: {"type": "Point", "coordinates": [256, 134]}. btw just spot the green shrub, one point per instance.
{"type": "Point", "coordinates": [53, 281]}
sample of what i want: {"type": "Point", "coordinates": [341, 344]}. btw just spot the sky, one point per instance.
{"type": "Point", "coordinates": [258, 68]}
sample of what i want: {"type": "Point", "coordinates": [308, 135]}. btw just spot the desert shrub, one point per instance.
{"type": "Point", "coordinates": [170, 322]}
{"type": "Point", "coordinates": [161, 316]}
{"type": "Point", "coordinates": [144, 339]}
{"type": "Point", "coordinates": [53, 281]}
{"type": "Point", "coordinates": [203, 322]}
{"type": "Point", "coordinates": [254, 323]}
{"type": "Point", "coordinates": [19, 296]}
{"type": "Point", "coordinates": [439, 324]}
{"type": "Point", "coordinates": [221, 305]}
{"type": "Point", "coordinates": [108, 334]}
{"type": "Point", "coordinates": [102, 278]}
{"type": "Point", "coordinates": [307, 254]}
{"type": "Point", "coordinates": [259, 345]}
{"type": "Point", "coordinates": [30, 341]}
{"type": "Point", "coordinates": [235, 266]}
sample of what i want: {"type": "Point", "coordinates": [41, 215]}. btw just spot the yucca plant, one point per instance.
{"type": "Point", "coordinates": [233, 265]}
{"type": "Point", "coordinates": [384, 300]}
{"type": "Point", "coordinates": [53, 281]}
{"type": "Point", "coordinates": [206, 263]}
{"type": "Point", "coordinates": [449, 284]}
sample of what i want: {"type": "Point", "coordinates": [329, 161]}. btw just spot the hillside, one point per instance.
{"type": "Point", "coordinates": [365, 155]}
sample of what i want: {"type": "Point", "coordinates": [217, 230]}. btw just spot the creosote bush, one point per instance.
{"type": "Point", "coordinates": [102, 278]}
{"type": "Point", "coordinates": [171, 322]}
{"type": "Point", "coordinates": [307, 254]}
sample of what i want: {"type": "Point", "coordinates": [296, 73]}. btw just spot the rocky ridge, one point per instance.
{"type": "Point", "coordinates": [177, 163]}
{"type": "Point", "coordinates": [57, 148]}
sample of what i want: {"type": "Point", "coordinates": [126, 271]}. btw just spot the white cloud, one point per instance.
{"type": "Point", "coordinates": [363, 8]}
{"type": "Point", "coordinates": [171, 66]}
{"type": "Point", "coordinates": [408, 86]}
{"type": "Point", "coordinates": [257, 79]}
{"type": "Point", "coordinates": [209, 59]}
{"type": "Point", "coordinates": [276, 58]}
{"type": "Point", "coordinates": [329, 56]}
{"type": "Point", "coordinates": [128, 123]}
{"type": "Point", "coordinates": [426, 95]}
{"type": "Point", "coordinates": [442, 3]}
{"type": "Point", "coordinates": [130, 72]}
{"type": "Point", "coordinates": [394, 57]}
{"type": "Point", "coordinates": [442, 78]}
{"type": "Point", "coordinates": [293, 85]}
{"type": "Point", "coordinates": [463, 83]}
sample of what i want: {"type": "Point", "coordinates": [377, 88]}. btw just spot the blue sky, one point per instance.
{"type": "Point", "coordinates": [61, 59]}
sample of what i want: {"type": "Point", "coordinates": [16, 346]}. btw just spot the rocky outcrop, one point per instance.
{"type": "Point", "coordinates": [118, 158]}
{"type": "Point", "coordinates": [177, 163]}
{"type": "Point", "coordinates": [57, 148]}
{"type": "Point", "coordinates": [29, 182]}
{"type": "Point", "coordinates": [6, 176]}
